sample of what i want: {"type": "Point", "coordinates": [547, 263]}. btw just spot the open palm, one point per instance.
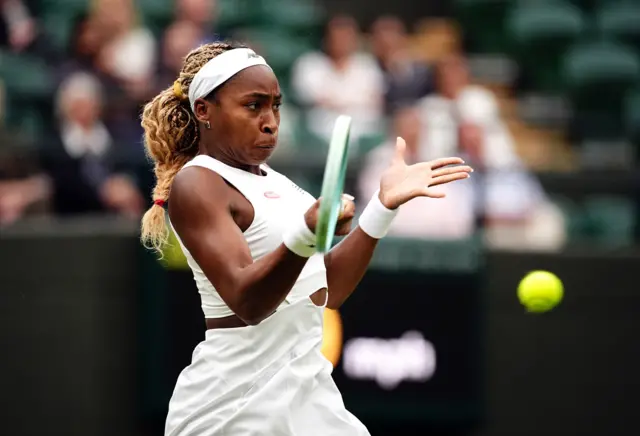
{"type": "Point", "coordinates": [401, 182]}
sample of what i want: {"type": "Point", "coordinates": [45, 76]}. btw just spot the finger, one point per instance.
{"type": "Point", "coordinates": [439, 163]}
{"type": "Point", "coordinates": [451, 170]}
{"type": "Point", "coordinates": [347, 206]}
{"type": "Point", "coordinates": [401, 146]}
{"type": "Point", "coordinates": [343, 228]}
{"type": "Point", "coordinates": [448, 178]}
{"type": "Point", "coordinates": [432, 193]}
{"type": "Point", "coordinates": [347, 213]}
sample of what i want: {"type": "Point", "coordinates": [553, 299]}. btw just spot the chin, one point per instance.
{"type": "Point", "coordinates": [263, 154]}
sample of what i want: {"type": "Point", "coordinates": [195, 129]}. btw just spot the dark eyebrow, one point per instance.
{"type": "Point", "coordinates": [263, 95]}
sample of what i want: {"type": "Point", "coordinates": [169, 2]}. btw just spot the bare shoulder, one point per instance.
{"type": "Point", "coordinates": [196, 192]}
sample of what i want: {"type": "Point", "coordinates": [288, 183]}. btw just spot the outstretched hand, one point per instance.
{"type": "Point", "coordinates": [401, 182]}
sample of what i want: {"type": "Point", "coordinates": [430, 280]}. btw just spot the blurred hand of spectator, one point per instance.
{"type": "Point", "coordinates": [22, 29]}
{"type": "Point", "coordinates": [17, 196]}
{"type": "Point", "coordinates": [22, 34]}
{"type": "Point", "coordinates": [121, 195]}
{"type": "Point", "coordinates": [471, 142]}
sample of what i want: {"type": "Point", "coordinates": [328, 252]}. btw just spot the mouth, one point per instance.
{"type": "Point", "coordinates": [267, 146]}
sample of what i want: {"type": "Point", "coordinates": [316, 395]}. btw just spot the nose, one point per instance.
{"type": "Point", "coordinates": [269, 124]}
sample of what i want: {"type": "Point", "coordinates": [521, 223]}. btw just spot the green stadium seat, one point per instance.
{"type": "Point", "coordinates": [599, 75]}
{"type": "Point", "coordinates": [26, 76]}
{"type": "Point", "coordinates": [576, 222]}
{"type": "Point", "coordinates": [540, 33]}
{"type": "Point", "coordinates": [632, 114]}
{"type": "Point", "coordinates": [620, 20]}
{"type": "Point", "coordinates": [278, 47]}
{"type": "Point", "coordinates": [59, 29]}
{"type": "Point", "coordinates": [58, 18]}
{"type": "Point", "coordinates": [62, 7]}
{"type": "Point", "coordinates": [588, 5]}
{"type": "Point", "coordinates": [483, 22]}
{"type": "Point", "coordinates": [299, 16]}
{"type": "Point", "coordinates": [612, 220]}
{"type": "Point", "coordinates": [233, 14]}
{"type": "Point", "coordinates": [156, 14]}
{"type": "Point", "coordinates": [30, 87]}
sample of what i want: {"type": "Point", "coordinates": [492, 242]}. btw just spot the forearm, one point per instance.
{"type": "Point", "coordinates": [346, 264]}
{"type": "Point", "coordinates": [263, 285]}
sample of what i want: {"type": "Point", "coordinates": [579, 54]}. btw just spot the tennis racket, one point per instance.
{"type": "Point", "coordinates": [333, 184]}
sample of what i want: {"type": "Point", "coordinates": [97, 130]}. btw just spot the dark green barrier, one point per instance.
{"type": "Point", "coordinates": [95, 333]}
{"type": "Point", "coordinates": [68, 303]}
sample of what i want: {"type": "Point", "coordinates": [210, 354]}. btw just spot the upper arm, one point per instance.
{"type": "Point", "coordinates": [199, 209]}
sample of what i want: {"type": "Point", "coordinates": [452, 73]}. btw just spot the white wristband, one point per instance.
{"type": "Point", "coordinates": [299, 239]}
{"type": "Point", "coordinates": [376, 219]}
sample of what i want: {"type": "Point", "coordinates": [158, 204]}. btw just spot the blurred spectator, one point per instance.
{"type": "Point", "coordinates": [340, 80]}
{"type": "Point", "coordinates": [130, 50]}
{"type": "Point", "coordinates": [179, 39]}
{"type": "Point", "coordinates": [464, 119]}
{"type": "Point", "coordinates": [17, 27]}
{"type": "Point", "coordinates": [406, 79]}
{"type": "Point", "coordinates": [78, 172]}
{"type": "Point", "coordinates": [80, 160]}
{"type": "Point", "coordinates": [123, 55]}
{"type": "Point", "coordinates": [458, 102]}
{"type": "Point", "coordinates": [515, 212]}
{"type": "Point", "coordinates": [202, 14]}
{"type": "Point", "coordinates": [84, 47]}
{"type": "Point", "coordinates": [18, 195]}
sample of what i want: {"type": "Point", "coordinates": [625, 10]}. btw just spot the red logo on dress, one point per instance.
{"type": "Point", "coordinates": [271, 194]}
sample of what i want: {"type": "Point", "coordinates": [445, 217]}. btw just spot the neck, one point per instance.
{"type": "Point", "coordinates": [231, 161]}
{"type": "Point", "coordinates": [340, 62]}
{"type": "Point", "coordinates": [451, 94]}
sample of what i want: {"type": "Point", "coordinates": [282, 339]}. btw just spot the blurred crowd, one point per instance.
{"type": "Point", "coordinates": [89, 159]}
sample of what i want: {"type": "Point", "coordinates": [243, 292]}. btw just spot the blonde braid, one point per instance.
{"type": "Point", "coordinates": [171, 138]}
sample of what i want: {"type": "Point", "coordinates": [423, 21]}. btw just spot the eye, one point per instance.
{"type": "Point", "coordinates": [277, 106]}
{"type": "Point", "coordinates": [252, 106]}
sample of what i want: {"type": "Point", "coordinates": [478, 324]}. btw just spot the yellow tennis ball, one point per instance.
{"type": "Point", "coordinates": [540, 291]}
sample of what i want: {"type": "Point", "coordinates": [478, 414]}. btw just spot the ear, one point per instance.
{"type": "Point", "coordinates": [202, 110]}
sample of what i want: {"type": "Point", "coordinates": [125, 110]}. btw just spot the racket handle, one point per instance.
{"type": "Point", "coordinates": [376, 219]}
{"type": "Point", "coordinates": [299, 239]}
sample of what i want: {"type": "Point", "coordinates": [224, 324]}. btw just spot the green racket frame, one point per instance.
{"type": "Point", "coordinates": [333, 184]}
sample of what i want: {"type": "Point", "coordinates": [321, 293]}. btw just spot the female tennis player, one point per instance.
{"type": "Point", "coordinates": [248, 235]}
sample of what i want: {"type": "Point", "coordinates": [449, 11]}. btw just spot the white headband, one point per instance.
{"type": "Point", "coordinates": [220, 69]}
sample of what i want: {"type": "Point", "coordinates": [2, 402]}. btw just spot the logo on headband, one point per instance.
{"type": "Point", "coordinates": [252, 55]}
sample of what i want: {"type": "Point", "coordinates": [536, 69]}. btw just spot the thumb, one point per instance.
{"type": "Point", "coordinates": [401, 146]}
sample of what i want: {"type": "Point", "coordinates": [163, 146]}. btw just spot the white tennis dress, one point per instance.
{"type": "Point", "coordinates": [269, 379]}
